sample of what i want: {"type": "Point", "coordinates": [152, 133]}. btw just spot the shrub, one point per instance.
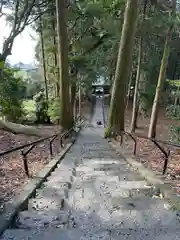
{"type": "Point", "coordinates": [11, 96]}
{"type": "Point", "coordinates": [174, 133]}
{"type": "Point", "coordinates": [29, 110]}
{"type": "Point", "coordinates": [173, 112]}
{"type": "Point", "coordinates": [54, 111]}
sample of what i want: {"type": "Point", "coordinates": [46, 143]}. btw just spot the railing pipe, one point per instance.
{"type": "Point", "coordinates": [32, 145]}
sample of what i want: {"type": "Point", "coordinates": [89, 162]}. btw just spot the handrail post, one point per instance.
{"type": "Point", "coordinates": [135, 145]}
{"type": "Point", "coordinates": [166, 154]}
{"type": "Point", "coordinates": [25, 163]}
{"type": "Point", "coordinates": [135, 142]}
{"type": "Point", "coordinates": [156, 142]}
{"type": "Point", "coordinates": [61, 142]}
{"type": "Point", "coordinates": [50, 145]}
{"type": "Point", "coordinates": [121, 139]}
{"type": "Point", "coordinates": [166, 162]}
{"type": "Point", "coordinates": [50, 148]}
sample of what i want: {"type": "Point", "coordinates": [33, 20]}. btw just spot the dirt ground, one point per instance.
{"type": "Point", "coordinates": [12, 174]}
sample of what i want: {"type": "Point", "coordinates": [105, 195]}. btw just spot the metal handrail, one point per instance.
{"type": "Point", "coordinates": [79, 120]}
{"type": "Point", "coordinates": [157, 143]}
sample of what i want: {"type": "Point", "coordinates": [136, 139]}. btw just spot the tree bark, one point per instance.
{"type": "Point", "coordinates": [55, 56]}
{"type": "Point", "coordinates": [136, 90]}
{"type": "Point", "coordinates": [73, 96]}
{"type": "Point", "coordinates": [66, 118]}
{"type": "Point", "coordinates": [22, 129]}
{"type": "Point", "coordinates": [161, 79]}
{"type": "Point", "coordinates": [80, 96]}
{"type": "Point", "coordinates": [129, 90]}
{"type": "Point", "coordinates": [43, 58]}
{"type": "Point", "coordinates": [123, 67]}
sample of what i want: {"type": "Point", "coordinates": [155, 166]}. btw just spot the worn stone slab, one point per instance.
{"type": "Point", "coordinates": [44, 204]}
{"type": "Point", "coordinates": [125, 176]}
{"type": "Point", "coordinates": [42, 219]}
{"type": "Point", "coordinates": [152, 178]}
{"type": "Point", "coordinates": [97, 154]}
{"type": "Point", "coordinates": [61, 176]}
{"type": "Point", "coordinates": [147, 234]}
{"type": "Point", "coordinates": [104, 234]}
{"type": "Point", "coordinates": [57, 234]}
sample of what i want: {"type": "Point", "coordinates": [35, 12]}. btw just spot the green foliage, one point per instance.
{"type": "Point", "coordinates": [173, 112]}
{"type": "Point", "coordinates": [29, 109]}
{"type": "Point", "coordinates": [32, 80]}
{"type": "Point", "coordinates": [92, 58]}
{"type": "Point", "coordinates": [146, 98]}
{"type": "Point", "coordinates": [174, 133]}
{"type": "Point", "coordinates": [11, 95]}
{"type": "Point", "coordinates": [90, 53]}
{"type": "Point", "coordinates": [93, 9]}
{"type": "Point", "coordinates": [175, 83]}
{"type": "Point", "coordinates": [54, 111]}
{"type": "Point", "coordinates": [41, 107]}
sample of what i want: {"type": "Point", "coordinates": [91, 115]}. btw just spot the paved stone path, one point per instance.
{"type": "Point", "coordinates": [94, 194]}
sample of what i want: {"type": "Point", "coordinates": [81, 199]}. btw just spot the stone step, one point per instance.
{"type": "Point", "coordinates": [101, 163]}
{"type": "Point", "coordinates": [73, 158]}
{"type": "Point", "coordinates": [90, 168]}
{"type": "Point", "coordinates": [128, 176]}
{"type": "Point", "coordinates": [97, 154]}
{"type": "Point", "coordinates": [58, 178]}
{"type": "Point", "coordinates": [101, 234]}
{"type": "Point", "coordinates": [100, 185]}
{"type": "Point", "coordinates": [68, 162]}
{"type": "Point", "coordinates": [42, 219]}
{"type": "Point", "coordinates": [93, 144]}
{"type": "Point", "coordinates": [84, 150]}
{"type": "Point", "coordinates": [60, 172]}
{"type": "Point", "coordinates": [147, 234]}
{"type": "Point", "coordinates": [124, 189]}
{"type": "Point", "coordinates": [113, 183]}
{"type": "Point", "coordinates": [47, 203]}
{"type": "Point", "coordinates": [54, 234]}
{"type": "Point", "coordinates": [95, 194]}
{"type": "Point", "coordinates": [52, 191]}
{"type": "Point", "coordinates": [89, 214]}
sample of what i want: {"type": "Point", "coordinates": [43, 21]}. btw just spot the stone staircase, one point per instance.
{"type": "Point", "coordinates": [94, 194]}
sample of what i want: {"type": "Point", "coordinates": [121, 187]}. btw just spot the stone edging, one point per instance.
{"type": "Point", "coordinates": [158, 182]}
{"type": "Point", "coordinates": [21, 201]}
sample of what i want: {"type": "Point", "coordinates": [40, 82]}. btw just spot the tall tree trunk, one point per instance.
{"type": "Point", "coordinates": [79, 93]}
{"type": "Point", "coordinates": [57, 67]}
{"type": "Point", "coordinates": [73, 96]}
{"type": "Point", "coordinates": [161, 79]}
{"type": "Point", "coordinates": [123, 67]}
{"type": "Point", "coordinates": [55, 56]}
{"type": "Point", "coordinates": [43, 59]}
{"type": "Point", "coordinates": [129, 90]}
{"type": "Point", "coordinates": [136, 90]}
{"type": "Point", "coordinates": [174, 70]}
{"type": "Point", "coordinates": [73, 93]}
{"type": "Point", "coordinates": [66, 118]}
